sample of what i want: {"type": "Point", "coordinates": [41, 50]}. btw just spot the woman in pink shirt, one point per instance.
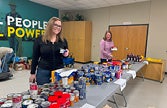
{"type": "Point", "coordinates": [106, 44]}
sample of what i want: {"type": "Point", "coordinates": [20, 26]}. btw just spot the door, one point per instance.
{"type": "Point", "coordinates": [129, 39]}
{"type": "Point", "coordinates": [78, 35]}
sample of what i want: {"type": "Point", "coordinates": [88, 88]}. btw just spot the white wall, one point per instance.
{"type": "Point", "coordinates": [137, 13]}
{"type": "Point", "coordinates": [151, 12]}
{"type": "Point", "coordinates": [157, 43]}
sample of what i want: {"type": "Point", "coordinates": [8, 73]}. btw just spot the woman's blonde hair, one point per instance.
{"type": "Point", "coordinates": [106, 34]}
{"type": "Point", "coordinates": [48, 31]}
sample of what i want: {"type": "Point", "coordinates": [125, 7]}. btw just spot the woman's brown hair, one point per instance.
{"type": "Point", "coordinates": [106, 34]}
{"type": "Point", "coordinates": [48, 31]}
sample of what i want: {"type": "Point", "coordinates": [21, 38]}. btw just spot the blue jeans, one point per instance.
{"type": "Point", "coordinates": [8, 57]}
{"type": "Point", "coordinates": [43, 76]}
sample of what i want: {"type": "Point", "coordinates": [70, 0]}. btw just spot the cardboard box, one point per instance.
{"type": "Point", "coordinates": [64, 75]}
{"type": "Point", "coordinates": [18, 67]}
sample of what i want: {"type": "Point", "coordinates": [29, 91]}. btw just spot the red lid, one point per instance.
{"type": "Point", "coordinates": [54, 105]}
{"type": "Point", "coordinates": [61, 101]}
{"type": "Point", "coordinates": [66, 95]}
{"type": "Point", "coordinates": [52, 98]}
{"type": "Point", "coordinates": [58, 93]}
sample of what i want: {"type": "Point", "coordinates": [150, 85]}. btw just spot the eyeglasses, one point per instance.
{"type": "Point", "coordinates": [56, 25]}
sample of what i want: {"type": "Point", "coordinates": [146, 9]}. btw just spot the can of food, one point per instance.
{"type": "Point", "coordinates": [92, 79]}
{"type": "Point", "coordinates": [7, 105]}
{"type": "Point", "coordinates": [2, 101]}
{"type": "Point", "coordinates": [17, 100]}
{"type": "Point", "coordinates": [82, 83]}
{"type": "Point", "coordinates": [76, 84]}
{"type": "Point", "coordinates": [82, 94]}
{"type": "Point", "coordinates": [26, 97]}
{"type": "Point", "coordinates": [88, 78]}
{"type": "Point", "coordinates": [45, 90]}
{"type": "Point", "coordinates": [10, 96]}
{"type": "Point", "coordinates": [8, 101]}
{"type": "Point", "coordinates": [51, 93]}
{"type": "Point", "coordinates": [80, 74]}
{"type": "Point", "coordinates": [65, 87]}
{"type": "Point", "coordinates": [25, 92]}
{"type": "Point", "coordinates": [76, 93]}
{"type": "Point", "coordinates": [33, 106]}
{"type": "Point", "coordinates": [72, 99]}
{"type": "Point", "coordinates": [44, 95]}
{"type": "Point", "coordinates": [107, 78]}
{"type": "Point", "coordinates": [45, 104]}
{"type": "Point", "coordinates": [65, 80]}
{"type": "Point", "coordinates": [39, 101]}
{"type": "Point", "coordinates": [26, 103]}
{"type": "Point", "coordinates": [72, 89]}
{"type": "Point", "coordinates": [99, 78]}
{"type": "Point", "coordinates": [46, 85]}
{"type": "Point", "coordinates": [68, 90]}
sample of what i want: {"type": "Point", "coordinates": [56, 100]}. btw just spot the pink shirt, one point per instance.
{"type": "Point", "coordinates": [105, 49]}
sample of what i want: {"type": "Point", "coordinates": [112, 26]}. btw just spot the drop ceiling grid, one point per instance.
{"type": "Point", "coordinates": [83, 4]}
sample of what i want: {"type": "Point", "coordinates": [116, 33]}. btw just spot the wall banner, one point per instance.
{"type": "Point", "coordinates": [22, 21]}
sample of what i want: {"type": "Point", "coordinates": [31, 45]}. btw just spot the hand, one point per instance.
{"type": "Point", "coordinates": [111, 56]}
{"type": "Point", "coordinates": [66, 53]}
{"type": "Point", "coordinates": [32, 78]}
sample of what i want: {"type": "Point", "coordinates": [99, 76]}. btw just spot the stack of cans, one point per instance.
{"type": "Point", "coordinates": [82, 88]}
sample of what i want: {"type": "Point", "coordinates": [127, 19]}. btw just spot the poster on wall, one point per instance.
{"type": "Point", "coordinates": [22, 23]}
{"type": "Point", "coordinates": [18, 27]}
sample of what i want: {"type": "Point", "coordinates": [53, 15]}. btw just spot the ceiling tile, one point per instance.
{"type": "Point", "coordinates": [83, 4]}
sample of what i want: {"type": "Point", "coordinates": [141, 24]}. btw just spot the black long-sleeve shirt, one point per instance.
{"type": "Point", "coordinates": [47, 55]}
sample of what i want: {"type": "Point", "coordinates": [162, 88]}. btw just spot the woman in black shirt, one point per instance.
{"type": "Point", "coordinates": [47, 53]}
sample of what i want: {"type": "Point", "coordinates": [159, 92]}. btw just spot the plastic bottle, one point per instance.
{"type": "Point", "coordinates": [33, 90]}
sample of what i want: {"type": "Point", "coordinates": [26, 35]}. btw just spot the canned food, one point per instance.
{"type": "Point", "coordinates": [33, 106]}
{"type": "Point", "coordinates": [10, 96]}
{"type": "Point", "coordinates": [72, 99]}
{"type": "Point", "coordinates": [99, 79]}
{"type": "Point", "coordinates": [26, 97]}
{"type": "Point", "coordinates": [8, 101]}
{"type": "Point", "coordinates": [65, 81]}
{"type": "Point", "coordinates": [80, 74]}
{"type": "Point", "coordinates": [68, 90]}
{"type": "Point", "coordinates": [2, 101]}
{"type": "Point", "coordinates": [82, 83]}
{"type": "Point", "coordinates": [39, 100]}
{"type": "Point", "coordinates": [72, 89]}
{"type": "Point", "coordinates": [76, 84]}
{"type": "Point", "coordinates": [82, 94]}
{"type": "Point", "coordinates": [7, 105]}
{"type": "Point", "coordinates": [44, 95]}
{"type": "Point", "coordinates": [17, 100]}
{"type": "Point", "coordinates": [26, 103]}
{"type": "Point", "coordinates": [76, 93]}
{"type": "Point", "coordinates": [45, 90]}
{"type": "Point", "coordinates": [25, 92]}
{"type": "Point", "coordinates": [66, 87]}
{"type": "Point", "coordinates": [45, 104]}
{"type": "Point", "coordinates": [46, 85]}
